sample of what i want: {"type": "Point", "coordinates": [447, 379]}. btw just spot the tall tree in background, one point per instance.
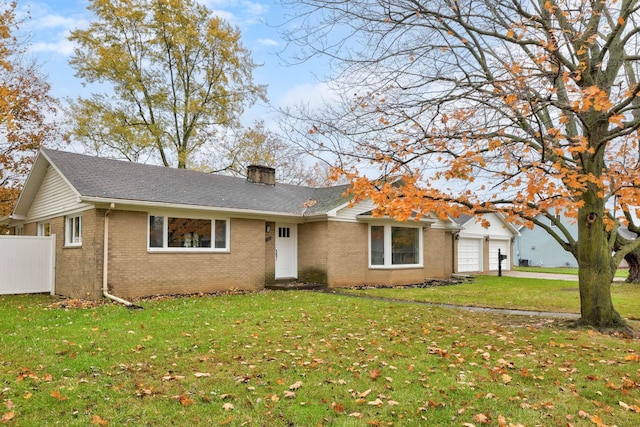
{"type": "Point", "coordinates": [518, 106]}
{"type": "Point", "coordinates": [258, 145]}
{"type": "Point", "coordinates": [174, 76]}
{"type": "Point", "coordinates": [24, 106]}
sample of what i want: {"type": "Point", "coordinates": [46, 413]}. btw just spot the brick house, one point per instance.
{"type": "Point", "coordinates": [133, 230]}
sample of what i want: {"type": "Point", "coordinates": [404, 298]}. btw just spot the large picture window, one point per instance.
{"type": "Point", "coordinates": [393, 246]}
{"type": "Point", "coordinates": [168, 232]}
{"type": "Point", "coordinates": [73, 231]}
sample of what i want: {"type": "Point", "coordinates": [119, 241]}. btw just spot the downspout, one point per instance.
{"type": "Point", "coordinates": [105, 263]}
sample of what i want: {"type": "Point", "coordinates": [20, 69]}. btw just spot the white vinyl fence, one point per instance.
{"type": "Point", "coordinates": [27, 264]}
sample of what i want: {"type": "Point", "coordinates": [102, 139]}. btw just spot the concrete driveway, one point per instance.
{"type": "Point", "coordinates": [548, 276]}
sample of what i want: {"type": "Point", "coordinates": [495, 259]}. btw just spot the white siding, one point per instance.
{"type": "Point", "coordinates": [350, 213]}
{"type": "Point", "coordinates": [497, 228]}
{"type": "Point", "coordinates": [54, 198]}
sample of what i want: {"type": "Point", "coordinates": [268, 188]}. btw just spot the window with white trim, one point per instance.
{"type": "Point", "coordinates": [44, 228]}
{"type": "Point", "coordinates": [177, 233]}
{"type": "Point", "coordinates": [395, 246]}
{"type": "Point", "coordinates": [73, 231]}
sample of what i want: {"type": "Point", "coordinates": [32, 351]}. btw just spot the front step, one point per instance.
{"type": "Point", "coordinates": [295, 286]}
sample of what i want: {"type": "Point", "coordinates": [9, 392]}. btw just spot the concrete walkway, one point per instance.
{"type": "Point", "coordinates": [532, 275]}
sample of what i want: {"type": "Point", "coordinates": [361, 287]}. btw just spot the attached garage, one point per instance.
{"type": "Point", "coordinates": [505, 249]}
{"type": "Point", "coordinates": [479, 240]}
{"type": "Point", "coordinates": [469, 255]}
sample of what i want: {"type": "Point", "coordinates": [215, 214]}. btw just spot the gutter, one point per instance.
{"type": "Point", "coordinates": [105, 264]}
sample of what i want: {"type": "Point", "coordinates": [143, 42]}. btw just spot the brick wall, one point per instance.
{"type": "Point", "coordinates": [134, 271]}
{"type": "Point", "coordinates": [348, 258]}
{"type": "Point", "coordinates": [312, 252]}
{"type": "Point", "coordinates": [79, 269]}
{"type": "Point", "coordinates": [270, 253]}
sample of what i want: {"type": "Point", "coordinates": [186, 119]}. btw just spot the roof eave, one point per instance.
{"type": "Point", "coordinates": [166, 205]}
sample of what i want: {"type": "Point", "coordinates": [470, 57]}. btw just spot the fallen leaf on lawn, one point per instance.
{"type": "Point", "coordinates": [172, 377]}
{"type": "Point", "coordinates": [365, 393]}
{"type": "Point", "coordinates": [227, 421]}
{"type": "Point", "coordinates": [583, 414]}
{"type": "Point", "coordinates": [96, 420]}
{"type": "Point", "coordinates": [635, 357]}
{"type": "Point", "coordinates": [392, 403]}
{"type": "Point", "coordinates": [7, 416]}
{"type": "Point", "coordinates": [376, 402]}
{"type": "Point", "coordinates": [9, 404]}
{"type": "Point", "coordinates": [506, 378]}
{"type": "Point", "coordinates": [355, 414]}
{"type": "Point", "coordinates": [289, 394]}
{"type": "Point", "coordinates": [186, 401]}
{"type": "Point", "coordinates": [202, 374]}
{"type": "Point", "coordinates": [228, 406]}
{"type": "Point", "coordinates": [337, 407]}
{"type": "Point", "coordinates": [57, 395]}
{"type": "Point", "coordinates": [482, 418]}
{"type": "Point", "coordinates": [295, 385]}
{"type": "Point", "coordinates": [632, 408]}
{"type": "Point", "coordinates": [374, 374]}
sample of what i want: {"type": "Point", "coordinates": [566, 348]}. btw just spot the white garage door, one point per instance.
{"type": "Point", "coordinates": [503, 245]}
{"type": "Point", "coordinates": [469, 255]}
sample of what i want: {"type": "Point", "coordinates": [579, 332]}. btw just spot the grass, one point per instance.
{"type": "Point", "coordinates": [305, 359]}
{"type": "Point", "coordinates": [514, 293]}
{"type": "Point", "coordinates": [621, 272]}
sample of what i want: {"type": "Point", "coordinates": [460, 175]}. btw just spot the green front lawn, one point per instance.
{"type": "Point", "coordinates": [307, 359]}
{"type": "Point", "coordinates": [512, 292]}
{"type": "Point", "coordinates": [621, 272]}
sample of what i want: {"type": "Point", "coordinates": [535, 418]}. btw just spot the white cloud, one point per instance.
{"type": "Point", "coordinates": [311, 94]}
{"type": "Point", "coordinates": [268, 42]}
{"type": "Point", "coordinates": [62, 47]}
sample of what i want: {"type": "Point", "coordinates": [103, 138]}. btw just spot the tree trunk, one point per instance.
{"type": "Point", "coordinates": [596, 269]}
{"type": "Point", "coordinates": [633, 260]}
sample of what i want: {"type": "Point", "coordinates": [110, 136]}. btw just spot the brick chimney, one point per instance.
{"type": "Point", "coordinates": [259, 174]}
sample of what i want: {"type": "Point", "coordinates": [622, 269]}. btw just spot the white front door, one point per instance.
{"type": "Point", "coordinates": [286, 251]}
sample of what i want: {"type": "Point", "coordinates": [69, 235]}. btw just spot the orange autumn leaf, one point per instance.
{"type": "Point", "coordinates": [97, 420]}
{"type": "Point", "coordinates": [7, 416]}
{"type": "Point", "coordinates": [374, 374]}
{"type": "Point", "coordinates": [186, 401]}
{"type": "Point", "coordinates": [56, 394]}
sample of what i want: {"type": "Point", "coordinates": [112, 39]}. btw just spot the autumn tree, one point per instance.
{"type": "Point", "coordinates": [173, 76]}
{"type": "Point", "coordinates": [259, 145]}
{"type": "Point", "coordinates": [524, 107]}
{"type": "Point", "coordinates": [25, 107]}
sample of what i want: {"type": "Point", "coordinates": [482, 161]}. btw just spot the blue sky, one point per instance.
{"type": "Point", "coordinates": [52, 20]}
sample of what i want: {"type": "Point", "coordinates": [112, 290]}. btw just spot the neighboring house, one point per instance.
{"type": "Point", "coordinates": [133, 230]}
{"type": "Point", "coordinates": [535, 247]}
{"type": "Point", "coordinates": [478, 243]}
